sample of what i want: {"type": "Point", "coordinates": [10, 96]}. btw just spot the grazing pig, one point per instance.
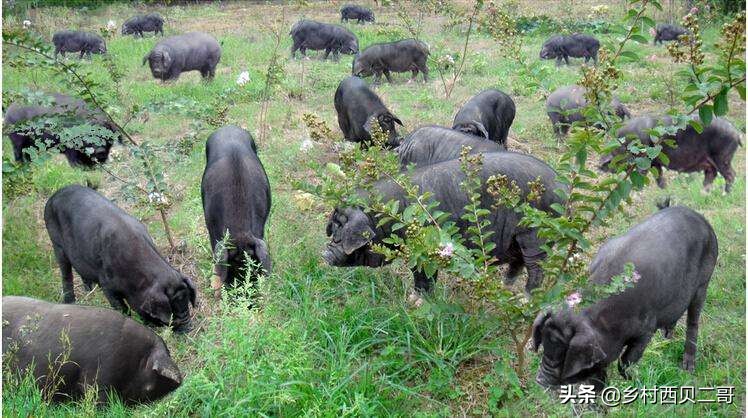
{"type": "Point", "coordinates": [194, 51]}
{"type": "Point", "coordinates": [236, 198]}
{"type": "Point", "coordinates": [353, 231]}
{"type": "Point", "coordinates": [488, 114]}
{"type": "Point", "coordinates": [359, 13]}
{"type": "Point", "coordinates": [108, 247]}
{"type": "Point", "coordinates": [578, 45]}
{"type": "Point", "coordinates": [91, 151]}
{"type": "Point", "coordinates": [674, 253]}
{"type": "Point", "coordinates": [710, 151]}
{"type": "Point", "coordinates": [308, 34]}
{"type": "Point", "coordinates": [667, 32]}
{"type": "Point", "coordinates": [136, 25]}
{"type": "Point", "coordinates": [358, 108]}
{"type": "Point", "coordinates": [564, 107]}
{"type": "Point", "coordinates": [401, 56]}
{"type": "Point", "coordinates": [73, 348]}
{"type": "Point", "coordinates": [433, 144]}
{"type": "Point", "coordinates": [75, 41]}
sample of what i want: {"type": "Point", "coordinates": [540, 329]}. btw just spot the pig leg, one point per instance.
{"type": "Point", "coordinates": [423, 283]}
{"type": "Point", "coordinates": [710, 173]}
{"type": "Point", "coordinates": [692, 329]}
{"type": "Point", "coordinates": [633, 353]}
{"type": "Point", "coordinates": [424, 69]}
{"type": "Point", "coordinates": [661, 177]}
{"type": "Point", "coordinates": [414, 74]}
{"type": "Point", "coordinates": [531, 256]}
{"type": "Point", "coordinates": [115, 300]}
{"type": "Point", "coordinates": [566, 59]}
{"type": "Point", "coordinates": [377, 77]}
{"type": "Point", "coordinates": [667, 332]}
{"type": "Point", "coordinates": [327, 53]}
{"type": "Point", "coordinates": [66, 269]}
{"type": "Point", "coordinates": [388, 75]}
{"type": "Point", "coordinates": [294, 48]}
{"type": "Point", "coordinates": [515, 268]}
{"type": "Point", "coordinates": [729, 174]}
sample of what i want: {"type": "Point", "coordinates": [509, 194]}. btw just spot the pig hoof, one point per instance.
{"type": "Point", "coordinates": [622, 371]}
{"type": "Point", "coordinates": [689, 364]}
{"type": "Point", "coordinates": [667, 334]}
{"type": "Point", "coordinates": [68, 299]}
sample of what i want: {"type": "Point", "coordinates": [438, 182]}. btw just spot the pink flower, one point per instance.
{"type": "Point", "coordinates": [446, 250]}
{"type": "Point", "coordinates": [693, 10]}
{"type": "Point", "coordinates": [635, 276]}
{"type": "Point", "coordinates": [574, 299]}
{"type": "Point", "coordinates": [652, 57]}
{"type": "Point", "coordinates": [652, 32]}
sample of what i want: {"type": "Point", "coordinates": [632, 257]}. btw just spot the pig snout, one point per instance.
{"type": "Point", "coordinates": [183, 327]}
{"type": "Point", "coordinates": [332, 256]}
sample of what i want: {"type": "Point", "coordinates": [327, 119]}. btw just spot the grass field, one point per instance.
{"type": "Point", "coordinates": [344, 342]}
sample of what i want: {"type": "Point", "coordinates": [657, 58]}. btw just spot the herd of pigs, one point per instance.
{"type": "Point", "coordinates": [675, 248]}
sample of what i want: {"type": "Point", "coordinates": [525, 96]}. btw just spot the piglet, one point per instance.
{"type": "Point", "coordinates": [674, 253]}
{"type": "Point", "coordinates": [71, 348]}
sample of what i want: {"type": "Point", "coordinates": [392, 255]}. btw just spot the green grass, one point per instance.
{"type": "Point", "coordinates": [344, 342]}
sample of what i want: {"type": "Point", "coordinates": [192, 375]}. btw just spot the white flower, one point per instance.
{"type": "Point", "coordinates": [574, 299]}
{"type": "Point", "coordinates": [243, 78]}
{"type": "Point", "coordinates": [26, 24]}
{"type": "Point", "coordinates": [306, 145]}
{"type": "Point", "coordinates": [157, 198]}
{"type": "Point", "coordinates": [446, 250]}
{"type": "Point", "coordinates": [111, 26]}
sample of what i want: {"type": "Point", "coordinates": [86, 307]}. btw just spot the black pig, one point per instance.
{"type": "Point", "coordinates": [564, 107]}
{"type": "Point", "coordinates": [674, 253]}
{"type": "Point", "coordinates": [106, 350]}
{"type": "Point", "coordinates": [578, 45]}
{"type": "Point", "coordinates": [488, 114]}
{"type": "Point", "coordinates": [236, 198]}
{"type": "Point", "coordinates": [667, 32]}
{"type": "Point", "coordinates": [194, 51]}
{"type": "Point", "coordinates": [359, 13]}
{"type": "Point", "coordinates": [108, 247]}
{"type": "Point", "coordinates": [710, 151]}
{"type": "Point", "coordinates": [136, 25]}
{"type": "Point", "coordinates": [66, 110]}
{"type": "Point", "coordinates": [308, 34]}
{"type": "Point", "coordinates": [358, 108]}
{"type": "Point", "coordinates": [401, 56]}
{"type": "Point", "coordinates": [434, 144]}
{"type": "Point", "coordinates": [75, 41]}
{"type": "Point", "coordinates": [353, 231]}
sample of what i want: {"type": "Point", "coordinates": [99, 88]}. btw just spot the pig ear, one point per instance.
{"type": "Point", "coordinates": [537, 329]}
{"type": "Point", "coordinates": [395, 119]}
{"type": "Point", "coordinates": [583, 353]}
{"type": "Point", "coordinates": [167, 371]}
{"type": "Point", "coordinates": [155, 304]}
{"type": "Point", "coordinates": [261, 252]}
{"type": "Point", "coordinates": [369, 121]}
{"type": "Point", "coordinates": [481, 129]}
{"type": "Point", "coordinates": [165, 57]}
{"type": "Point", "coordinates": [328, 230]}
{"type": "Point", "coordinates": [357, 239]}
{"type": "Point", "coordinates": [191, 288]}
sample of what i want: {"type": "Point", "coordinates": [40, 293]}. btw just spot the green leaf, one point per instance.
{"type": "Point", "coordinates": [720, 103]}
{"type": "Point", "coordinates": [633, 56]}
{"type": "Point", "coordinates": [696, 125]}
{"type": "Point", "coordinates": [639, 38]}
{"type": "Point", "coordinates": [705, 113]}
